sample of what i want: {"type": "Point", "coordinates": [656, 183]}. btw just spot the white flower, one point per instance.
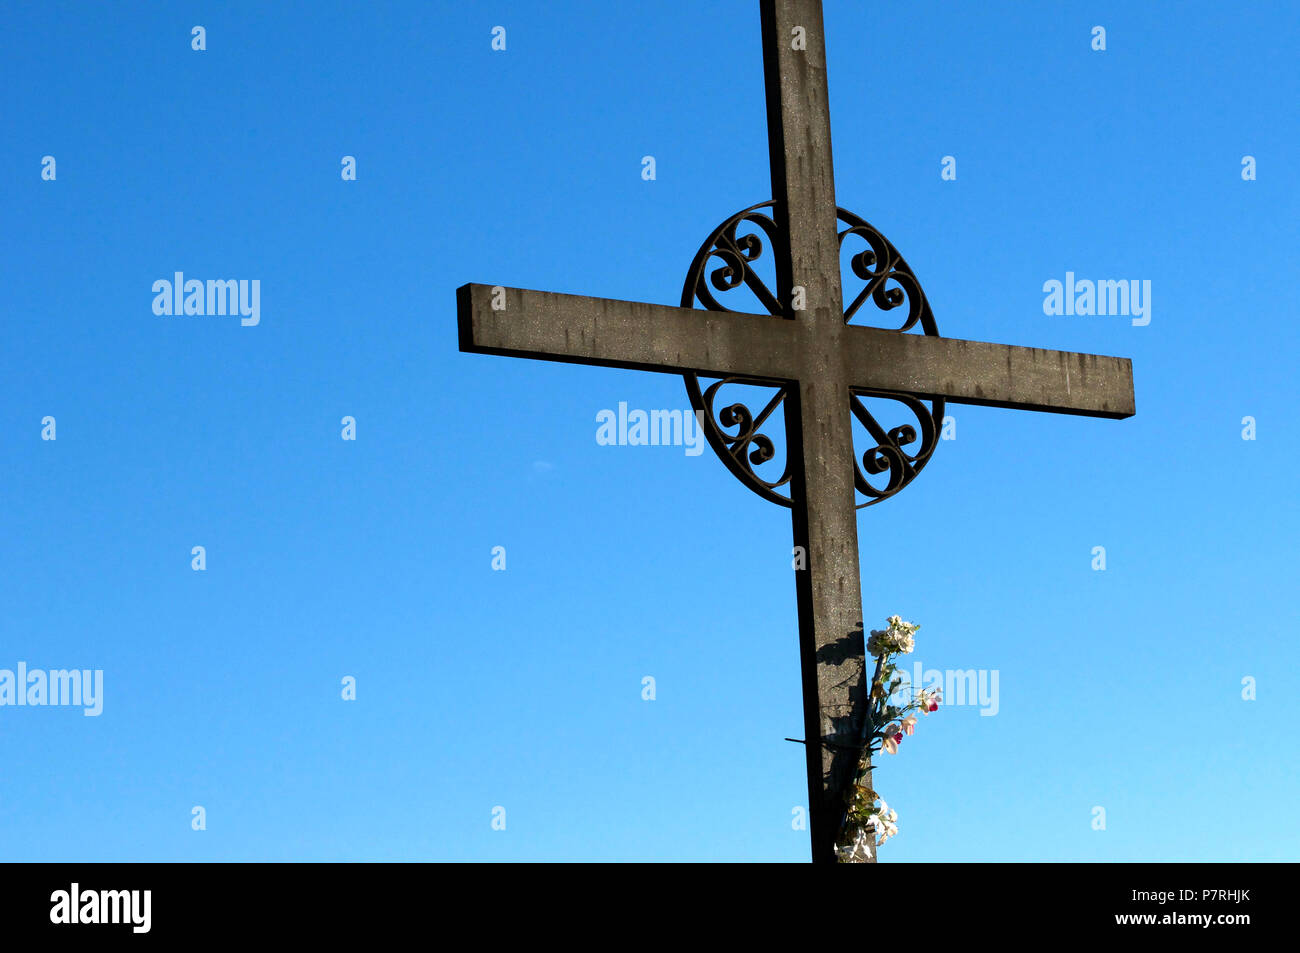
{"type": "Point", "coordinates": [894, 640]}
{"type": "Point", "coordinates": [860, 849]}
{"type": "Point", "coordinates": [886, 823]}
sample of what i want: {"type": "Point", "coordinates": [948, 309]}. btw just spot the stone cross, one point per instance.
{"type": "Point", "coordinates": [824, 367]}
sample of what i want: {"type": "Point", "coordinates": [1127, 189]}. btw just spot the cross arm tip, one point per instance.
{"type": "Point", "coordinates": [992, 375]}
{"type": "Point", "coordinates": [466, 305]}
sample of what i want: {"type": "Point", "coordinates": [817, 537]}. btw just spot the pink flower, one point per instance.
{"type": "Point", "coordinates": [892, 737]}
{"type": "Point", "coordinates": [909, 725]}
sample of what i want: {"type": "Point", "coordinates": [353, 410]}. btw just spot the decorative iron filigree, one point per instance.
{"type": "Point", "coordinates": [888, 280]}
{"type": "Point", "coordinates": [725, 263]}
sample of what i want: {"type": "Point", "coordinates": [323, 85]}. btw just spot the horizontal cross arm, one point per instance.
{"type": "Point", "coordinates": [611, 333]}
{"type": "Point", "coordinates": [994, 375]}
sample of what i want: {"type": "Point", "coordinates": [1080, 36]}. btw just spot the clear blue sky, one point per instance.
{"type": "Point", "coordinates": [1119, 689]}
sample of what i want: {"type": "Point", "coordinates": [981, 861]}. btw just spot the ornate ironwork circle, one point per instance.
{"type": "Point", "coordinates": [899, 452]}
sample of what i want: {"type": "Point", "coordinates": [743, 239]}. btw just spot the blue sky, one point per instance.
{"type": "Point", "coordinates": [522, 689]}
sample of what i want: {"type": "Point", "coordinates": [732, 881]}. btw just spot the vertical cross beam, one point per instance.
{"type": "Point", "coordinates": [818, 425]}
